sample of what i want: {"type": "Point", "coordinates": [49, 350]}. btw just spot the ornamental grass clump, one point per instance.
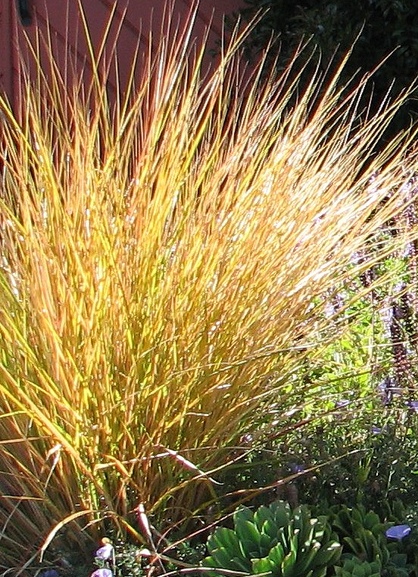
{"type": "Point", "coordinates": [162, 262]}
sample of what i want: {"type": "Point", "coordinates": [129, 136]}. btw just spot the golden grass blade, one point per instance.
{"type": "Point", "coordinates": [58, 527]}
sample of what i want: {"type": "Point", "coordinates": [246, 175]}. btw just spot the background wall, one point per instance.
{"type": "Point", "coordinates": [133, 20]}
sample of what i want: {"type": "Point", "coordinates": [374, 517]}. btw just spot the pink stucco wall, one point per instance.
{"type": "Point", "coordinates": [133, 21]}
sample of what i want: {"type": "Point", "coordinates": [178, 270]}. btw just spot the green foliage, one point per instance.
{"type": "Point", "coordinates": [361, 532]}
{"type": "Point", "coordinates": [355, 567]}
{"type": "Point", "coordinates": [358, 534]}
{"type": "Point", "coordinates": [128, 561]}
{"type": "Point", "coordinates": [275, 541]}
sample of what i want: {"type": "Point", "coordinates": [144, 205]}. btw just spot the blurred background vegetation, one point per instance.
{"type": "Point", "coordinates": [383, 30]}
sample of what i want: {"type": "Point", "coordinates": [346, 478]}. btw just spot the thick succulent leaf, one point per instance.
{"type": "Point", "coordinates": [283, 537]}
{"type": "Point", "coordinates": [224, 537]}
{"type": "Point", "coordinates": [327, 555]}
{"type": "Point", "coordinates": [222, 558]}
{"type": "Point", "coordinates": [242, 564]}
{"type": "Point", "coordinates": [304, 561]}
{"type": "Point", "coordinates": [276, 555]}
{"type": "Point", "coordinates": [288, 564]}
{"type": "Point", "coordinates": [371, 544]}
{"type": "Point", "coordinates": [358, 513]}
{"type": "Point", "coordinates": [243, 514]}
{"type": "Point", "coordinates": [307, 531]}
{"type": "Point", "coordinates": [270, 528]}
{"type": "Point", "coordinates": [318, 572]}
{"type": "Point", "coordinates": [263, 565]}
{"type": "Point", "coordinates": [399, 560]}
{"type": "Point", "coordinates": [356, 546]}
{"type": "Point", "coordinates": [249, 549]}
{"type": "Point", "coordinates": [371, 519]}
{"type": "Point", "coordinates": [318, 530]}
{"type": "Point", "coordinates": [379, 529]}
{"type": "Point", "coordinates": [300, 517]}
{"type": "Point", "coordinates": [266, 544]}
{"type": "Point", "coordinates": [249, 536]}
{"type": "Point", "coordinates": [360, 571]}
{"type": "Point", "coordinates": [294, 541]}
{"type": "Point", "coordinates": [282, 513]}
{"type": "Point", "coordinates": [343, 522]}
{"type": "Point", "coordinates": [262, 515]}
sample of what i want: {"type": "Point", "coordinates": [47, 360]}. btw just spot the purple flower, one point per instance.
{"type": "Point", "coordinates": [398, 532]}
{"type": "Point", "coordinates": [377, 430]}
{"type": "Point", "coordinates": [386, 389]}
{"type": "Point", "coordinates": [102, 573]}
{"type": "Point", "coordinates": [295, 468]}
{"type": "Point", "coordinates": [343, 403]}
{"type": "Point", "coordinates": [106, 552]}
{"type": "Point", "coordinates": [49, 573]}
{"type": "Point", "coordinates": [413, 405]}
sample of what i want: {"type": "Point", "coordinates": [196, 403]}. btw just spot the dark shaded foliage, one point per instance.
{"type": "Point", "coordinates": [381, 29]}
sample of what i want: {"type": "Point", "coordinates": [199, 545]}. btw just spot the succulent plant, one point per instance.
{"type": "Point", "coordinates": [361, 533]}
{"type": "Point", "coordinates": [354, 567]}
{"type": "Point", "coordinates": [275, 541]}
{"type": "Point", "coordinates": [366, 540]}
{"type": "Point", "coordinates": [398, 566]}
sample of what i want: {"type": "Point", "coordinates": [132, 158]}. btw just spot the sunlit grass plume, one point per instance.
{"type": "Point", "coordinates": [162, 261]}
